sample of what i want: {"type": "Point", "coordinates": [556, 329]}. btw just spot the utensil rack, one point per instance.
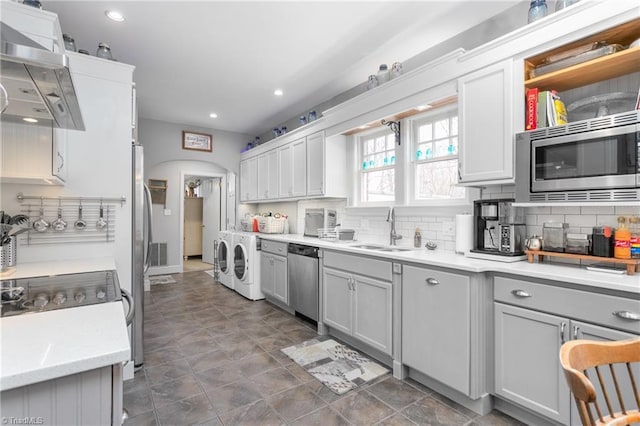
{"type": "Point", "coordinates": [632, 265]}
{"type": "Point", "coordinates": [70, 211]}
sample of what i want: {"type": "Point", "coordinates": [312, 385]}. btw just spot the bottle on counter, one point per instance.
{"type": "Point", "coordinates": [417, 239]}
{"type": "Point", "coordinates": [634, 227]}
{"type": "Point", "coordinates": [622, 240]}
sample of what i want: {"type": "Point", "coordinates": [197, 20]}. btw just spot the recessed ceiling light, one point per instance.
{"type": "Point", "coordinates": [278, 92]}
{"type": "Point", "coordinates": [114, 15]}
{"type": "Point", "coordinates": [423, 107]}
{"type": "Point", "coordinates": [30, 120]}
{"type": "Point", "coordinates": [213, 115]}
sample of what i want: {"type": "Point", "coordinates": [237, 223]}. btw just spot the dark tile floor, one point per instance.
{"type": "Point", "coordinates": [213, 357]}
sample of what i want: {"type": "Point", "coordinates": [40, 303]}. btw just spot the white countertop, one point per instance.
{"type": "Point", "coordinates": [46, 345]}
{"type": "Point", "coordinates": [447, 259]}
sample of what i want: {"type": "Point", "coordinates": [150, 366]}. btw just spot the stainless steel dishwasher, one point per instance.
{"type": "Point", "coordinates": [303, 279]}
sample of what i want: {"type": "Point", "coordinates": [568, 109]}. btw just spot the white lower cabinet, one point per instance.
{"type": "Point", "coordinates": [527, 341]}
{"type": "Point", "coordinates": [358, 306]}
{"type": "Point", "coordinates": [273, 271]}
{"type": "Point", "coordinates": [436, 325]}
{"type": "Point", "coordinates": [92, 397]}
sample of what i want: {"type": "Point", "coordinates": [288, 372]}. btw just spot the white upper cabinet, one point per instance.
{"type": "Point", "coordinates": [292, 180]}
{"type": "Point", "coordinates": [249, 179]}
{"type": "Point", "coordinates": [315, 164]}
{"type": "Point", "coordinates": [268, 176]}
{"type": "Point", "coordinates": [485, 102]}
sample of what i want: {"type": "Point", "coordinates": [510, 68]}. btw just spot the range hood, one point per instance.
{"type": "Point", "coordinates": [37, 82]}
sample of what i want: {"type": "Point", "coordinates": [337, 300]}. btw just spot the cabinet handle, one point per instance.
{"type": "Point", "coordinates": [459, 172]}
{"type": "Point", "coordinates": [521, 293]}
{"type": "Point", "coordinates": [432, 281]}
{"type": "Point", "coordinates": [61, 162]}
{"type": "Point", "coordinates": [576, 330]}
{"type": "Point", "coordinates": [632, 316]}
{"type": "Point", "coordinates": [562, 327]}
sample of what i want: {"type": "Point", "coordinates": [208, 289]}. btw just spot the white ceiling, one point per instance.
{"type": "Point", "coordinates": [197, 57]}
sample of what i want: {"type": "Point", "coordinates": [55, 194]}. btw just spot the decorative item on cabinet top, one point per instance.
{"type": "Point", "coordinates": [99, 214]}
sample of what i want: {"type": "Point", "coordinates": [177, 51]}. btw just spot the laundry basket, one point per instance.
{"type": "Point", "coordinates": [271, 225]}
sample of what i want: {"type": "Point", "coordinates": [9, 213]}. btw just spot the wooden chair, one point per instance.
{"type": "Point", "coordinates": [577, 356]}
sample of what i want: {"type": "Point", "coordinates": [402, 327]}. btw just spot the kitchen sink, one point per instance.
{"type": "Point", "coordinates": [394, 249]}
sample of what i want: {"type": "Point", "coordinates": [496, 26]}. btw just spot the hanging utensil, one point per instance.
{"type": "Point", "coordinates": [41, 225]}
{"type": "Point", "coordinates": [19, 219]}
{"type": "Point", "coordinates": [59, 224]}
{"type": "Point", "coordinates": [101, 223]}
{"type": "Point", "coordinates": [80, 223]}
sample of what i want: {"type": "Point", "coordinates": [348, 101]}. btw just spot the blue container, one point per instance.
{"type": "Point", "coordinates": [537, 10]}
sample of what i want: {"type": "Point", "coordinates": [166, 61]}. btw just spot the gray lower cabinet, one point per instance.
{"type": "Point", "coordinates": [528, 340]}
{"type": "Point", "coordinates": [436, 325]}
{"type": "Point", "coordinates": [273, 271]}
{"type": "Point", "coordinates": [92, 397]}
{"type": "Point", "coordinates": [359, 306]}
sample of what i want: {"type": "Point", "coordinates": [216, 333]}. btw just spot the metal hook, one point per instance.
{"type": "Point", "coordinates": [395, 128]}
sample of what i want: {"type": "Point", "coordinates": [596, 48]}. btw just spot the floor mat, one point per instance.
{"type": "Point", "coordinates": [161, 279]}
{"type": "Point", "coordinates": [337, 366]}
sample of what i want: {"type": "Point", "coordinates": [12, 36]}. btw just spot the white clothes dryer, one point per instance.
{"type": "Point", "coordinates": [246, 265]}
{"type": "Point", "coordinates": [225, 258]}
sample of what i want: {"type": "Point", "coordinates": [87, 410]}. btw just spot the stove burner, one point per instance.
{"type": "Point", "coordinates": [39, 294]}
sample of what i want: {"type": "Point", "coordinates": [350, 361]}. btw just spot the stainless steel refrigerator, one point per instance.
{"type": "Point", "coordinates": [141, 241]}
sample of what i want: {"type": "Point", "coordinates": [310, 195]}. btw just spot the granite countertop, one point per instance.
{"type": "Point", "coordinates": [47, 345]}
{"type": "Point", "coordinates": [447, 259]}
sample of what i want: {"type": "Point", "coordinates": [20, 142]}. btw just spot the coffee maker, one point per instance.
{"type": "Point", "coordinates": [499, 228]}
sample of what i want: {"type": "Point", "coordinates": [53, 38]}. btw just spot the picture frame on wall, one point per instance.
{"type": "Point", "coordinates": [197, 141]}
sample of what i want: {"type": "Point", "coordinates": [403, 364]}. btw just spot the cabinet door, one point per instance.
{"type": "Point", "coordinates": [315, 164]}
{"type": "Point", "coordinates": [263, 177]}
{"type": "Point", "coordinates": [281, 283]}
{"type": "Point", "coordinates": [267, 276]}
{"type": "Point", "coordinates": [336, 297]}
{"type": "Point", "coordinates": [527, 365]}
{"type": "Point", "coordinates": [249, 179]}
{"type": "Point", "coordinates": [299, 168]}
{"type": "Point", "coordinates": [285, 174]}
{"type": "Point", "coordinates": [436, 325]}
{"type": "Point", "coordinates": [372, 312]}
{"type": "Point", "coordinates": [581, 330]}
{"type": "Point", "coordinates": [485, 100]}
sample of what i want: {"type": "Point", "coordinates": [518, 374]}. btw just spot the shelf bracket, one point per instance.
{"type": "Point", "coordinates": [395, 128]}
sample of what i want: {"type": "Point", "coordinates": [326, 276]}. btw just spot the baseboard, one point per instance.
{"type": "Point", "coordinates": [521, 414]}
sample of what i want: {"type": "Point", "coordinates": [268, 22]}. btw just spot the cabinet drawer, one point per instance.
{"type": "Point", "coordinates": [379, 269]}
{"type": "Point", "coordinates": [274, 247]}
{"type": "Point", "coordinates": [591, 307]}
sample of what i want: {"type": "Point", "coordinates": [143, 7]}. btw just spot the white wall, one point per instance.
{"type": "Point", "coordinates": [165, 159]}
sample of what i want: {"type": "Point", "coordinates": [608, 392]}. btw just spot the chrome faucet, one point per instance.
{"type": "Point", "coordinates": [391, 218]}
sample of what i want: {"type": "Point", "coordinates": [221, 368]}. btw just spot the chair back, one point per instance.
{"type": "Point", "coordinates": [609, 366]}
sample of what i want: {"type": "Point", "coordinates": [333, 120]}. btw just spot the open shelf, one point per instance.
{"type": "Point", "coordinates": [632, 265]}
{"type": "Point", "coordinates": [603, 68]}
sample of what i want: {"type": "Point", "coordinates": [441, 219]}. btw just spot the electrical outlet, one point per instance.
{"type": "Point", "coordinates": [448, 228]}
{"type": "Point", "coordinates": [167, 212]}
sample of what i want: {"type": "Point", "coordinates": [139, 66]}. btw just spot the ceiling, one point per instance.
{"type": "Point", "coordinates": [193, 58]}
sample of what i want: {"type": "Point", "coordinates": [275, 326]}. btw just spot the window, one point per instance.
{"type": "Point", "coordinates": [378, 159]}
{"type": "Point", "coordinates": [434, 139]}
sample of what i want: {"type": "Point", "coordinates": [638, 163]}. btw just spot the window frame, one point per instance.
{"type": "Point", "coordinates": [359, 140]}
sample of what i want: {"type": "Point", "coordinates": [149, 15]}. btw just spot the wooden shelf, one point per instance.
{"type": "Point", "coordinates": [632, 265]}
{"type": "Point", "coordinates": [599, 69]}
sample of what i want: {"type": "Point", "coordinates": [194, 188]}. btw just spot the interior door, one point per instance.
{"type": "Point", "coordinates": [210, 217]}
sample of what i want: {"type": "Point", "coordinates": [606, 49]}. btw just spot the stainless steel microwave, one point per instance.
{"type": "Point", "coordinates": [589, 160]}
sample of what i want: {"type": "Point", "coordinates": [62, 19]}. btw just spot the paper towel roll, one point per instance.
{"type": "Point", "coordinates": [464, 233]}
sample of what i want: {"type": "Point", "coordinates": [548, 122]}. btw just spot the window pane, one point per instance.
{"type": "Point", "coordinates": [442, 128]}
{"type": "Point", "coordinates": [437, 180]}
{"type": "Point", "coordinates": [380, 144]}
{"type": "Point", "coordinates": [391, 140]}
{"type": "Point", "coordinates": [368, 146]}
{"type": "Point", "coordinates": [378, 186]}
{"type": "Point", "coordinates": [425, 133]}
{"type": "Point", "coordinates": [454, 125]}
{"type": "Point", "coordinates": [441, 148]}
{"type": "Point", "coordinates": [453, 149]}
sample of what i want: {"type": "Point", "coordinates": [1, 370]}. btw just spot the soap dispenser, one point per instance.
{"type": "Point", "coordinates": [417, 239]}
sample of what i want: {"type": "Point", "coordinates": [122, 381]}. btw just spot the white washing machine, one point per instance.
{"type": "Point", "coordinates": [225, 258]}
{"type": "Point", "coordinates": [246, 265]}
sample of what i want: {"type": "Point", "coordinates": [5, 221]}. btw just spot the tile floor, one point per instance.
{"type": "Point", "coordinates": [195, 263]}
{"type": "Point", "coordinates": [213, 358]}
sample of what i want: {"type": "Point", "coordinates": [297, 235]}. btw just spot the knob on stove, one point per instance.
{"type": "Point", "coordinates": [80, 296]}
{"type": "Point", "coordinates": [41, 300]}
{"type": "Point", "coordinates": [59, 298]}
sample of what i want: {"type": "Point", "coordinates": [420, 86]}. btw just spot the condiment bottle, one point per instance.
{"type": "Point", "coordinates": [622, 240]}
{"type": "Point", "coordinates": [634, 227]}
{"type": "Point", "coordinates": [417, 238]}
